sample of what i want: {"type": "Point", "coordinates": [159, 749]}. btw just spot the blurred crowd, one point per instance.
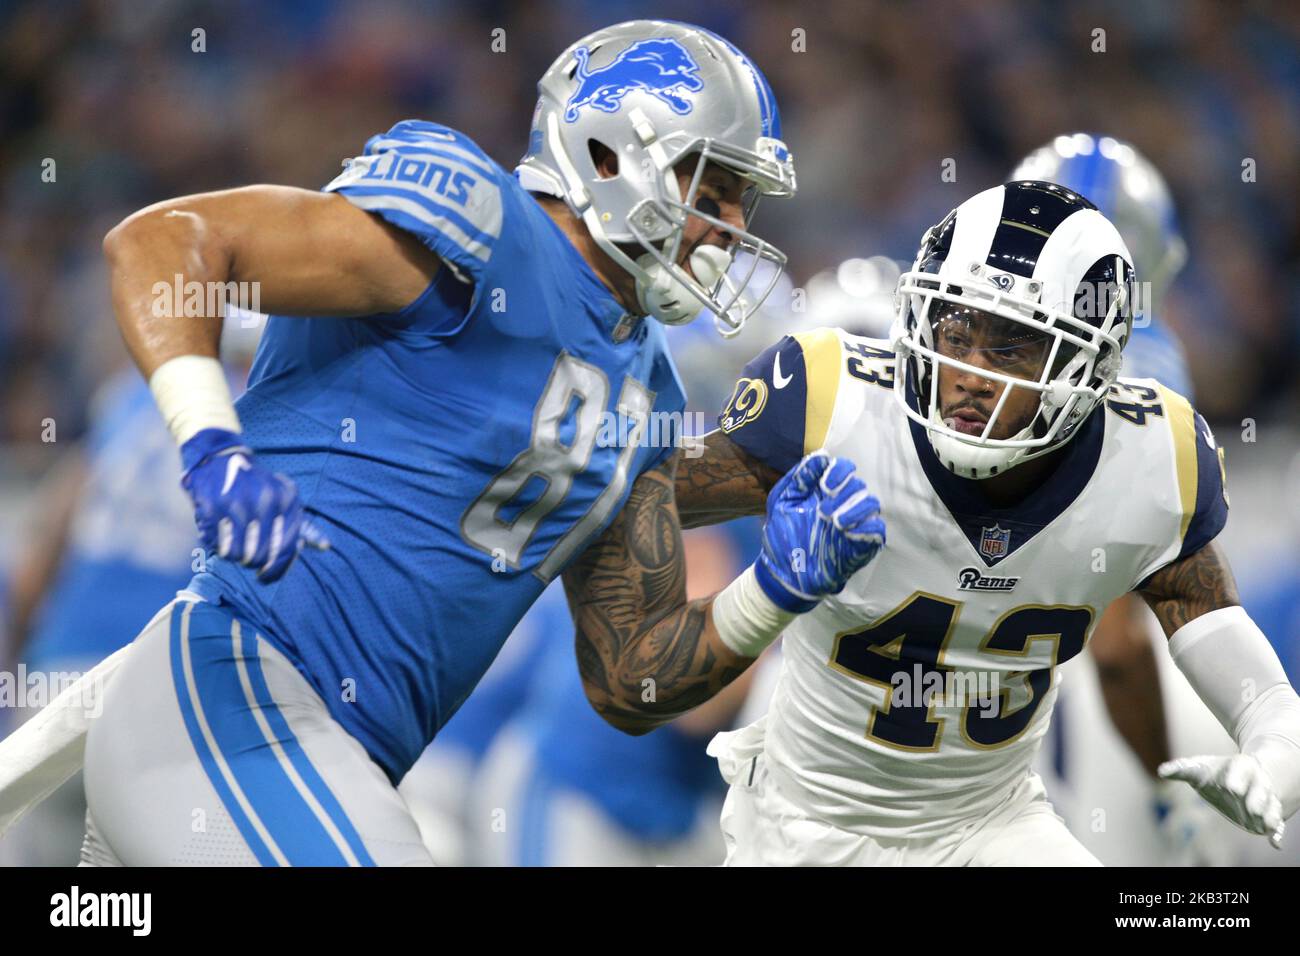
{"type": "Point", "coordinates": [143, 100]}
{"type": "Point", "coordinates": [895, 112]}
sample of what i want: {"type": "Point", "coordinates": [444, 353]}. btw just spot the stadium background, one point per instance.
{"type": "Point", "coordinates": [875, 97]}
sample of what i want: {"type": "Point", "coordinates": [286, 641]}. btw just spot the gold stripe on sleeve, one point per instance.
{"type": "Point", "coordinates": [821, 362]}
{"type": "Point", "coordinates": [1182, 423]}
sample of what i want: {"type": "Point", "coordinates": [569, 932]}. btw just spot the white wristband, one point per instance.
{"type": "Point", "coordinates": [745, 617]}
{"type": "Point", "coordinates": [192, 394]}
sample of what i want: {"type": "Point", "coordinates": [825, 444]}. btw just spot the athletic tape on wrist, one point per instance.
{"type": "Point", "coordinates": [192, 394]}
{"type": "Point", "coordinates": [746, 619]}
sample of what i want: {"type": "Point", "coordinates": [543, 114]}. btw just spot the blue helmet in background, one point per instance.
{"type": "Point", "coordinates": [1127, 189]}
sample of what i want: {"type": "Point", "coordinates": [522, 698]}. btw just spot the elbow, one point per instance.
{"type": "Point", "coordinates": [617, 717]}
{"type": "Point", "coordinates": [129, 234]}
{"type": "Point", "coordinates": [117, 238]}
{"type": "Point", "coordinates": [597, 681]}
{"type": "Point", "coordinates": [177, 224]}
{"type": "Point", "coordinates": [629, 727]}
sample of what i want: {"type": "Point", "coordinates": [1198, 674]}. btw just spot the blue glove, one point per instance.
{"type": "Point", "coordinates": [243, 511]}
{"type": "Point", "coordinates": [822, 525]}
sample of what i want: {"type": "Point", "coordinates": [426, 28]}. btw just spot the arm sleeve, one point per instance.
{"type": "Point", "coordinates": [435, 183]}
{"type": "Point", "coordinates": [1236, 672]}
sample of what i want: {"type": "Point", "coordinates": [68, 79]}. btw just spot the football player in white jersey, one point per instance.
{"type": "Point", "coordinates": [1026, 487]}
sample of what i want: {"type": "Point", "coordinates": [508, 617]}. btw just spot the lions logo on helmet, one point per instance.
{"type": "Point", "coordinates": [659, 67]}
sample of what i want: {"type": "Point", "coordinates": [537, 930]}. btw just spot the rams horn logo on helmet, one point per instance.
{"type": "Point", "coordinates": [1001, 280]}
{"type": "Point", "coordinates": [661, 67]}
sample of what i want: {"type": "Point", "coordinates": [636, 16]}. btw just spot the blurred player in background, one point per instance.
{"type": "Point", "coordinates": [856, 296]}
{"type": "Point", "coordinates": [114, 520]}
{"type": "Point", "coordinates": [1131, 670]}
{"type": "Point", "coordinates": [439, 789]}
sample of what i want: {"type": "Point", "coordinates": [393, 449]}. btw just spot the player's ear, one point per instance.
{"type": "Point", "coordinates": [604, 158]}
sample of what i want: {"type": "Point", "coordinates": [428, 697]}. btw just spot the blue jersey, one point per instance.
{"type": "Point", "coordinates": [505, 687]}
{"type": "Point", "coordinates": [458, 453]}
{"type": "Point", "coordinates": [1155, 352]}
{"type": "Point", "coordinates": [131, 535]}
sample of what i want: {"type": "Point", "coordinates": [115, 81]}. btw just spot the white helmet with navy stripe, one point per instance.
{"type": "Point", "coordinates": [1042, 264]}
{"type": "Point", "coordinates": [654, 92]}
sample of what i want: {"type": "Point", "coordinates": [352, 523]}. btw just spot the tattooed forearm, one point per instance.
{"type": "Point", "coordinates": [722, 484]}
{"type": "Point", "coordinates": [646, 654]}
{"type": "Point", "coordinates": [1183, 591]}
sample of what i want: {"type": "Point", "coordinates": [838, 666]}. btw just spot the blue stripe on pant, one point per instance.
{"type": "Point", "coordinates": [274, 818]}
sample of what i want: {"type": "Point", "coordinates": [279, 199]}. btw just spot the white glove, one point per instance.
{"type": "Point", "coordinates": [1237, 786]}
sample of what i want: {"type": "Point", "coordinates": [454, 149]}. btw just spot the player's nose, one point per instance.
{"type": "Point", "coordinates": [729, 213]}
{"type": "Point", "coordinates": [734, 217]}
{"type": "Point", "coordinates": [972, 382]}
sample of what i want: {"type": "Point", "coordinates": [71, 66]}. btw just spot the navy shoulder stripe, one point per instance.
{"type": "Point", "coordinates": [767, 411]}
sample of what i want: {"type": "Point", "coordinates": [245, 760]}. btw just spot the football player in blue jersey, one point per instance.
{"type": "Point", "coordinates": [454, 402]}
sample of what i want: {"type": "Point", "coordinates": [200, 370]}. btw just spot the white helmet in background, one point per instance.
{"type": "Point", "coordinates": [857, 296]}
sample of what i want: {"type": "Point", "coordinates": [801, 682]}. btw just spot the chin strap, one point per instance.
{"type": "Point", "coordinates": [973, 461]}
{"type": "Point", "coordinates": [663, 295]}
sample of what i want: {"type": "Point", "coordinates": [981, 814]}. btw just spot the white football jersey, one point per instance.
{"type": "Point", "coordinates": [915, 699]}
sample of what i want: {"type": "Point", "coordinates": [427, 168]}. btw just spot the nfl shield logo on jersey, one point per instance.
{"type": "Point", "coordinates": [994, 542]}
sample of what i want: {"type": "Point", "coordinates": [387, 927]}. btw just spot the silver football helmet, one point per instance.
{"type": "Point", "coordinates": [1033, 282]}
{"type": "Point", "coordinates": [654, 92]}
{"type": "Point", "coordinates": [1126, 188]}
{"type": "Point", "coordinates": [857, 296]}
